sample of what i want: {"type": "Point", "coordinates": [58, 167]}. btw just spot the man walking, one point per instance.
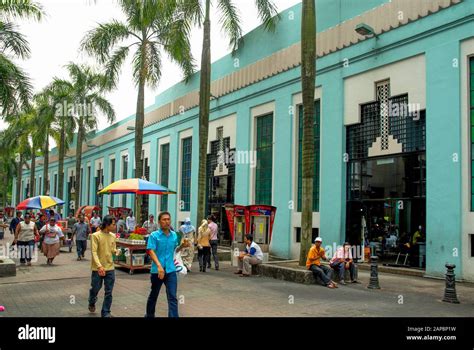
{"type": "Point", "coordinates": [81, 230]}
{"type": "Point", "coordinates": [214, 241]}
{"type": "Point", "coordinates": [95, 222]}
{"type": "Point", "coordinates": [15, 221]}
{"type": "Point", "coordinates": [102, 265]}
{"type": "Point", "coordinates": [161, 248]}
{"type": "Point", "coordinates": [71, 221]}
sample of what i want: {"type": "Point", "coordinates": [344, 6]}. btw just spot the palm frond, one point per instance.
{"type": "Point", "coordinates": [268, 13]}
{"type": "Point", "coordinates": [13, 41]}
{"type": "Point", "coordinates": [230, 21]}
{"type": "Point", "coordinates": [21, 9]}
{"type": "Point", "coordinates": [101, 40]}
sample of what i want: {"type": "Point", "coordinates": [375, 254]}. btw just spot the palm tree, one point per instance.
{"type": "Point", "coordinates": [16, 138]}
{"type": "Point", "coordinates": [308, 80]}
{"type": "Point", "coordinates": [15, 86]}
{"type": "Point", "coordinates": [7, 166]}
{"type": "Point", "coordinates": [230, 22]}
{"type": "Point", "coordinates": [63, 92]}
{"type": "Point", "coordinates": [46, 103]}
{"type": "Point", "coordinates": [152, 27]}
{"type": "Point", "coordinates": [85, 91]}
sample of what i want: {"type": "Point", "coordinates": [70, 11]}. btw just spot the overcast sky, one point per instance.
{"type": "Point", "coordinates": [55, 41]}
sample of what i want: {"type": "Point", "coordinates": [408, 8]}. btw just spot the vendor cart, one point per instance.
{"type": "Point", "coordinates": [135, 259]}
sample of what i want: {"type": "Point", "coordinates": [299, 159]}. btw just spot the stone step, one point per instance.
{"type": "Point", "coordinates": [7, 267]}
{"type": "Point", "coordinates": [290, 274]}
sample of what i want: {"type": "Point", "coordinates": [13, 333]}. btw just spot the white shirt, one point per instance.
{"type": "Point", "coordinates": [131, 223]}
{"type": "Point", "coordinates": [95, 222]}
{"type": "Point", "coordinates": [258, 251]}
{"type": "Point", "coordinates": [54, 234]}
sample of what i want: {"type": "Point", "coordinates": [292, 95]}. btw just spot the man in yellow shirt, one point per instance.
{"type": "Point", "coordinates": [103, 269]}
{"type": "Point", "coordinates": [313, 263]}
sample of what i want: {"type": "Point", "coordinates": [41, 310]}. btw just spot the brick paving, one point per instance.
{"type": "Point", "coordinates": [62, 290]}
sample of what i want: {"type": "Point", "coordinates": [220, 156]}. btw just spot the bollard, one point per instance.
{"type": "Point", "coordinates": [374, 274]}
{"type": "Point", "coordinates": [450, 290]}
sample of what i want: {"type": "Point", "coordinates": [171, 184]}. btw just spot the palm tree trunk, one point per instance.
{"type": "Point", "coordinates": [18, 180]}
{"type": "Point", "coordinates": [62, 147]}
{"type": "Point", "coordinates": [308, 76]}
{"type": "Point", "coordinates": [204, 107]}
{"type": "Point", "coordinates": [139, 125]}
{"type": "Point", "coordinates": [77, 181]}
{"type": "Point", "coordinates": [32, 170]}
{"type": "Point", "coordinates": [46, 165]}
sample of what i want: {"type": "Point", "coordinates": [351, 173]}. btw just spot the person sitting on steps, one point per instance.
{"type": "Point", "coordinates": [313, 263]}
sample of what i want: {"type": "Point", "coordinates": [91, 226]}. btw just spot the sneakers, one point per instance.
{"type": "Point", "coordinates": [79, 258]}
{"type": "Point", "coordinates": [355, 281]}
{"type": "Point", "coordinates": [92, 308]}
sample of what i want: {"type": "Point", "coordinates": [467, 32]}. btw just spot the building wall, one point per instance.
{"type": "Point", "coordinates": [436, 39]}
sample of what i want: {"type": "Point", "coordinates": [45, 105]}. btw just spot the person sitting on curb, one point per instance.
{"type": "Point", "coordinates": [251, 256]}
{"type": "Point", "coordinates": [342, 261]}
{"type": "Point", "coordinates": [313, 263]}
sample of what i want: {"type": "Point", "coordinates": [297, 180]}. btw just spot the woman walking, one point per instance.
{"type": "Point", "coordinates": [204, 245]}
{"type": "Point", "coordinates": [52, 236]}
{"type": "Point", "coordinates": [188, 233]}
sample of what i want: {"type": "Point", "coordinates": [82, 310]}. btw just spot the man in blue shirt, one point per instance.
{"type": "Point", "coordinates": [161, 248]}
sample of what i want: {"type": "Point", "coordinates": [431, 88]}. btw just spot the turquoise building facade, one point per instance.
{"type": "Point", "coordinates": [373, 163]}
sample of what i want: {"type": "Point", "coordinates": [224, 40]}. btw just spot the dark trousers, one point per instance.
{"type": "Point", "coordinates": [323, 272]}
{"type": "Point", "coordinates": [339, 267]}
{"type": "Point", "coordinates": [25, 248]}
{"type": "Point", "coordinates": [214, 244]}
{"type": "Point", "coordinates": [171, 283]}
{"type": "Point", "coordinates": [96, 286]}
{"type": "Point", "coordinates": [204, 257]}
{"type": "Point", "coordinates": [81, 247]}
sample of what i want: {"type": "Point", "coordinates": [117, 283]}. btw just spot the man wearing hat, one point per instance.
{"type": "Point", "coordinates": [313, 263]}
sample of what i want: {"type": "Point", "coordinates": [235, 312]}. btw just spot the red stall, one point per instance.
{"type": "Point", "coordinates": [261, 218]}
{"type": "Point", "coordinates": [237, 216]}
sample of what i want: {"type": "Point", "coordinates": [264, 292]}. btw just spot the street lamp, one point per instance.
{"type": "Point", "coordinates": [365, 30]}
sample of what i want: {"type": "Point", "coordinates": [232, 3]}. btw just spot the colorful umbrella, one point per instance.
{"type": "Point", "coordinates": [137, 186]}
{"type": "Point", "coordinates": [39, 202]}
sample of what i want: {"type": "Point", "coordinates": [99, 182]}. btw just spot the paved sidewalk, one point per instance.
{"type": "Point", "coordinates": [62, 290]}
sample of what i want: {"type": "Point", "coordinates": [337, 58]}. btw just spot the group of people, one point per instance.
{"type": "Point", "coordinates": [339, 263]}
{"type": "Point", "coordinates": [28, 231]}
{"type": "Point", "coordinates": [206, 242]}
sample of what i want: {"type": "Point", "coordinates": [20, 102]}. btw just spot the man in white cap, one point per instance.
{"type": "Point", "coordinates": [313, 263]}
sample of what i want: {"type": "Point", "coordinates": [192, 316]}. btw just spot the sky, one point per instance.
{"type": "Point", "coordinates": [55, 41]}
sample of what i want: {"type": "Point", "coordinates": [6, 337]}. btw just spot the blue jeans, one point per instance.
{"type": "Point", "coordinates": [96, 285]}
{"type": "Point", "coordinates": [214, 244]}
{"type": "Point", "coordinates": [341, 270]}
{"type": "Point", "coordinates": [81, 247]}
{"type": "Point", "coordinates": [25, 249]}
{"type": "Point", "coordinates": [323, 272]}
{"type": "Point", "coordinates": [171, 282]}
